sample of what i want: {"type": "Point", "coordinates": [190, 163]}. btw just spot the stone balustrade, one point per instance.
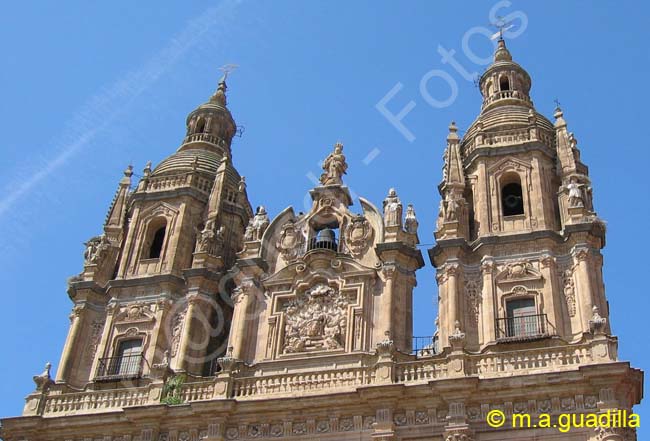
{"type": "Point", "coordinates": [171, 182]}
{"type": "Point", "coordinates": [252, 384]}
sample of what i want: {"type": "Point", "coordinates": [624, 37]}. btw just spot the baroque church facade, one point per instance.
{"type": "Point", "coordinates": [198, 318]}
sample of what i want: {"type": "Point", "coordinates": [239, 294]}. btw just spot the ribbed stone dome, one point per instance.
{"type": "Point", "coordinates": [513, 116]}
{"type": "Point", "coordinates": [183, 161]}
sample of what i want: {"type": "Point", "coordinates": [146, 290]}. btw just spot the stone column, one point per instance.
{"type": "Point", "coordinates": [162, 308]}
{"type": "Point", "coordinates": [551, 289]}
{"type": "Point", "coordinates": [184, 345]}
{"type": "Point", "coordinates": [488, 332]}
{"type": "Point", "coordinates": [482, 201]}
{"type": "Point", "coordinates": [71, 343]}
{"type": "Point", "coordinates": [585, 291]}
{"type": "Point", "coordinates": [104, 342]}
{"type": "Point", "coordinates": [242, 307]}
{"type": "Point", "coordinates": [452, 296]}
{"type": "Point", "coordinates": [387, 304]}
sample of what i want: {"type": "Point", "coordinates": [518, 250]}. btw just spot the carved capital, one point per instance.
{"type": "Point", "coordinates": [547, 261]}
{"type": "Point", "coordinates": [451, 269]}
{"type": "Point", "coordinates": [581, 254]}
{"type": "Point", "coordinates": [487, 266]}
{"type": "Point", "coordinates": [389, 270]}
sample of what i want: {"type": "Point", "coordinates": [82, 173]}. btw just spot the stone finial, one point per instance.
{"type": "Point", "coordinates": [146, 171]}
{"type": "Point", "coordinates": [219, 96]}
{"type": "Point", "coordinates": [242, 185]}
{"type": "Point", "coordinates": [410, 222]}
{"type": "Point", "coordinates": [453, 132]}
{"type": "Point", "coordinates": [43, 380]}
{"type": "Point", "coordinates": [559, 117]}
{"type": "Point", "coordinates": [334, 167]}
{"type": "Point", "coordinates": [502, 53]}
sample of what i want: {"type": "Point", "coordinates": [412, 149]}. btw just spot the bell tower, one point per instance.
{"type": "Point", "coordinates": [148, 300]}
{"type": "Point", "coordinates": [518, 243]}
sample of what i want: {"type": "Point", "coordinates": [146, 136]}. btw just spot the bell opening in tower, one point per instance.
{"type": "Point", "coordinates": [512, 200]}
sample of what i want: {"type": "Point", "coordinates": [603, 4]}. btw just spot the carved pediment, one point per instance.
{"type": "Point", "coordinates": [135, 313]}
{"type": "Point", "coordinates": [517, 271]}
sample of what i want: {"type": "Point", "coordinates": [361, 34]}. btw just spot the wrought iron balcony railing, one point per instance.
{"type": "Point", "coordinates": [119, 368]}
{"type": "Point", "coordinates": [424, 346]}
{"type": "Point", "coordinates": [523, 327]}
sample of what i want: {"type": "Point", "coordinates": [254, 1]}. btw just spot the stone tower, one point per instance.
{"type": "Point", "coordinates": [150, 279]}
{"type": "Point", "coordinates": [518, 241]}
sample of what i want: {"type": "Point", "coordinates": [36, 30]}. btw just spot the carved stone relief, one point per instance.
{"type": "Point", "coordinates": [316, 320]}
{"type": "Point", "coordinates": [569, 292]}
{"type": "Point", "coordinates": [291, 241]}
{"type": "Point", "coordinates": [177, 329]}
{"type": "Point", "coordinates": [358, 235]}
{"type": "Point", "coordinates": [473, 298]}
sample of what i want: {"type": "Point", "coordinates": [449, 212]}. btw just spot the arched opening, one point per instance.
{"type": "Point", "coordinates": [504, 83]}
{"type": "Point", "coordinates": [200, 126]}
{"type": "Point", "coordinates": [512, 200]}
{"type": "Point", "coordinates": [325, 239]}
{"type": "Point", "coordinates": [157, 243]}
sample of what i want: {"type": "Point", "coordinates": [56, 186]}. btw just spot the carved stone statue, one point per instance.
{"type": "Point", "coordinates": [208, 240]}
{"type": "Point", "coordinates": [441, 215]}
{"type": "Point", "coordinates": [451, 209]}
{"type": "Point", "coordinates": [334, 167]}
{"type": "Point", "coordinates": [392, 209]}
{"type": "Point", "coordinates": [257, 226]}
{"type": "Point", "coordinates": [96, 249]}
{"type": "Point", "coordinates": [410, 222]}
{"type": "Point", "coordinates": [316, 320]}
{"type": "Point", "coordinates": [575, 194]}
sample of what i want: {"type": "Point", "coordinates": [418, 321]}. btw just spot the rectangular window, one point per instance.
{"type": "Point", "coordinates": [129, 356]}
{"type": "Point", "coordinates": [522, 319]}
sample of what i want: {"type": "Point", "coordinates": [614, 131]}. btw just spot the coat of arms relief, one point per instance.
{"type": "Point", "coordinates": [316, 320]}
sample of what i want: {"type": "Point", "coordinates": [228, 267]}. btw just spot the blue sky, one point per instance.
{"type": "Point", "coordinates": [89, 87]}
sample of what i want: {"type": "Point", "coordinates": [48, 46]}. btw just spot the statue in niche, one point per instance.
{"type": "Point", "coordinates": [392, 209]}
{"type": "Point", "coordinates": [334, 167]}
{"type": "Point", "coordinates": [316, 321]}
{"type": "Point", "coordinates": [257, 226]}
{"type": "Point", "coordinates": [575, 193]}
{"type": "Point", "coordinates": [411, 222]}
{"type": "Point", "coordinates": [96, 249]}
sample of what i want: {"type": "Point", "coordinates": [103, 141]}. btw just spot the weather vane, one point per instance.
{"type": "Point", "coordinates": [227, 68]}
{"type": "Point", "coordinates": [557, 103]}
{"type": "Point", "coordinates": [502, 25]}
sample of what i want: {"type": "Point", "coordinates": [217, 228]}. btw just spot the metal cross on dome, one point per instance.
{"type": "Point", "coordinates": [227, 68]}
{"type": "Point", "coordinates": [502, 25]}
